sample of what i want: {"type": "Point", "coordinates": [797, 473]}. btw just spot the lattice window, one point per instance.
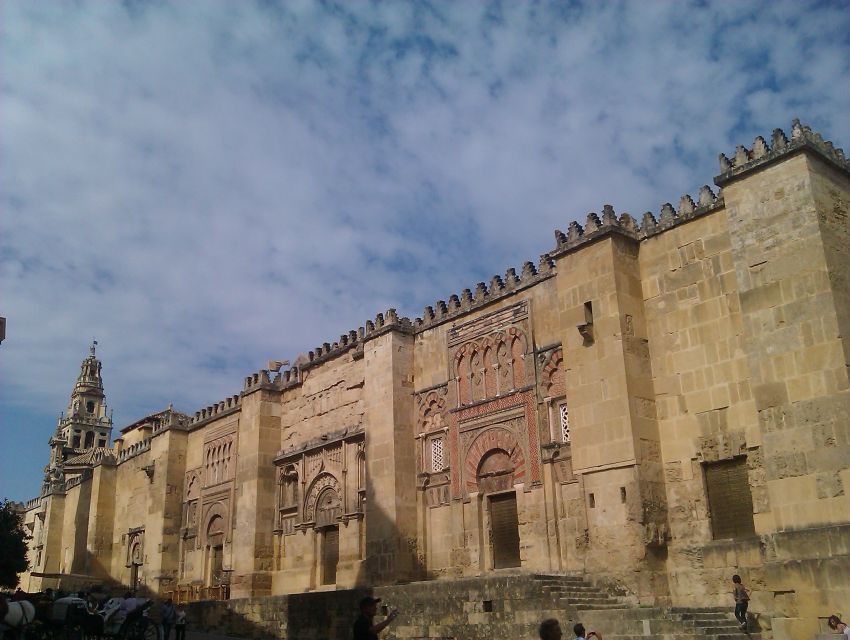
{"type": "Point", "coordinates": [564, 421]}
{"type": "Point", "coordinates": [436, 454]}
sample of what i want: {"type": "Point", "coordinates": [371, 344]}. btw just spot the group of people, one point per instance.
{"type": "Point", "coordinates": [162, 613]}
{"type": "Point", "coordinates": [105, 616]}
{"type": "Point", "coordinates": [166, 617]}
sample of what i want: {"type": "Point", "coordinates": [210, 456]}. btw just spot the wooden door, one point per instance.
{"type": "Point", "coordinates": [504, 530]}
{"type": "Point", "coordinates": [330, 554]}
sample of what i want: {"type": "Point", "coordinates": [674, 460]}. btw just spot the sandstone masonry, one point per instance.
{"type": "Point", "coordinates": [655, 404]}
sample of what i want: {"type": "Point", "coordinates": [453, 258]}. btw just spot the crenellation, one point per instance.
{"type": "Point", "coordinates": [668, 216]}
{"type": "Point", "coordinates": [546, 264]}
{"type": "Point", "coordinates": [466, 300]}
{"type": "Point", "coordinates": [560, 238]}
{"type": "Point", "coordinates": [497, 285]}
{"type": "Point", "coordinates": [133, 450]}
{"type": "Point", "coordinates": [802, 137]}
{"type": "Point", "coordinates": [760, 148]}
{"type": "Point", "coordinates": [686, 205]}
{"type": "Point", "coordinates": [609, 217]}
{"type": "Point", "coordinates": [511, 279]}
{"type": "Point", "coordinates": [778, 140]}
{"type": "Point", "coordinates": [593, 223]}
{"type": "Point", "coordinates": [480, 293]}
{"type": "Point", "coordinates": [228, 404]}
{"type": "Point", "coordinates": [649, 225]}
{"type": "Point", "coordinates": [628, 224]}
{"type": "Point", "coordinates": [706, 196]}
{"type": "Point", "coordinates": [528, 272]}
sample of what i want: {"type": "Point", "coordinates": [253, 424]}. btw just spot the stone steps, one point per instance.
{"type": "Point", "coordinates": [678, 624]}
{"type": "Point", "coordinates": [500, 606]}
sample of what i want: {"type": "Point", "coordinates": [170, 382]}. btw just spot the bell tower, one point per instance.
{"type": "Point", "coordinates": [86, 424]}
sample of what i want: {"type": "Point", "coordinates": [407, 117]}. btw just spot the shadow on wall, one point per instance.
{"type": "Point", "coordinates": [317, 615]}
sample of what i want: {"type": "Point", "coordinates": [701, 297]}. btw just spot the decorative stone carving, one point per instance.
{"type": "Point", "coordinates": [219, 460]}
{"type": "Point", "coordinates": [324, 482]}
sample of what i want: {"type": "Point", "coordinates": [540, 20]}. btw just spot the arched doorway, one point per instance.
{"type": "Point", "coordinates": [495, 477]}
{"type": "Point", "coordinates": [137, 558]}
{"type": "Point", "coordinates": [328, 510]}
{"type": "Point", "coordinates": [215, 551]}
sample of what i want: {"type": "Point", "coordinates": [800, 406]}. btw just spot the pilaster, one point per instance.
{"type": "Point", "coordinates": [259, 442]}
{"type": "Point", "coordinates": [390, 459]}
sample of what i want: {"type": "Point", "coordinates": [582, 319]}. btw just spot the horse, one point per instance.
{"type": "Point", "coordinates": [19, 613]}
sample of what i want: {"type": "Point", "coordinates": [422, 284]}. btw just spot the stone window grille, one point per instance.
{"type": "Point", "coordinates": [437, 454]}
{"type": "Point", "coordinates": [564, 421]}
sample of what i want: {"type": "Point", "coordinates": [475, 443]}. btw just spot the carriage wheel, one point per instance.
{"type": "Point", "coordinates": [151, 632]}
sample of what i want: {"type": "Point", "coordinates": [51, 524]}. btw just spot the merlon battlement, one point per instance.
{"type": "Point", "coordinates": [762, 153]}
{"type": "Point", "coordinates": [218, 408]}
{"type": "Point", "coordinates": [626, 225]}
{"type": "Point", "coordinates": [383, 322]}
{"type": "Point", "coordinates": [499, 287]}
{"type": "Point", "coordinates": [133, 450]}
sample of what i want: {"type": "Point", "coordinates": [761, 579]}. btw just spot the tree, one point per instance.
{"type": "Point", "coordinates": [13, 545]}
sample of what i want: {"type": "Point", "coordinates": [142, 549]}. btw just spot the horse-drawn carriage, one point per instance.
{"type": "Point", "coordinates": [70, 618]}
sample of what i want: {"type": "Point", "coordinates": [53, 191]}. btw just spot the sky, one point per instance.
{"type": "Point", "coordinates": [202, 186]}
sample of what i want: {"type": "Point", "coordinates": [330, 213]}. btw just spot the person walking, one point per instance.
{"type": "Point", "coordinates": [742, 600]}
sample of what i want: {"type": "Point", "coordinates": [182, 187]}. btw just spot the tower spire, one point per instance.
{"type": "Point", "coordinates": [86, 423]}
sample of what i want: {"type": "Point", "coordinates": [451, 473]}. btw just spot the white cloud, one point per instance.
{"type": "Point", "coordinates": [205, 185]}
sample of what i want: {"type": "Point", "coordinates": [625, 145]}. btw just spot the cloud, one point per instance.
{"type": "Point", "coordinates": [204, 185]}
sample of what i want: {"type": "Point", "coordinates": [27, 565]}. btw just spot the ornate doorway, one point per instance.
{"type": "Point", "coordinates": [328, 510]}
{"type": "Point", "coordinates": [496, 476]}
{"type": "Point", "coordinates": [215, 551]}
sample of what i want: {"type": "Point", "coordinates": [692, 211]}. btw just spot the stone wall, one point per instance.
{"type": "Point", "coordinates": [592, 393]}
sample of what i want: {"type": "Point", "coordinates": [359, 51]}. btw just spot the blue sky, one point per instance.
{"type": "Point", "coordinates": [202, 186]}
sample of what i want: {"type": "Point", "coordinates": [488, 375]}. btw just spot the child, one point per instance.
{"type": "Point", "coordinates": [742, 600]}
